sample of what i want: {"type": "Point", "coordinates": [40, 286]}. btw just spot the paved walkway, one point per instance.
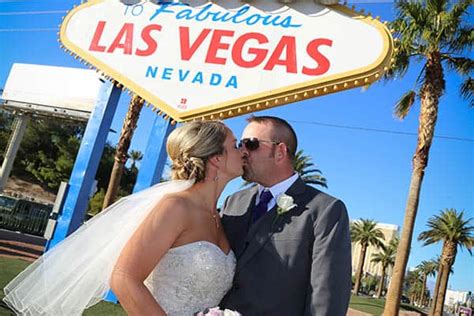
{"type": "Point", "coordinates": [353, 312]}
{"type": "Point", "coordinates": [21, 246]}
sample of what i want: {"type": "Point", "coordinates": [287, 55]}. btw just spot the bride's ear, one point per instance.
{"type": "Point", "coordinates": [215, 161]}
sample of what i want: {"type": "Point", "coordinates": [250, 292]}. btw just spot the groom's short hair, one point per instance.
{"type": "Point", "coordinates": [282, 131]}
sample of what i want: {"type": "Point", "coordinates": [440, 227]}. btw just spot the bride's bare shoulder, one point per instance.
{"type": "Point", "coordinates": [175, 204]}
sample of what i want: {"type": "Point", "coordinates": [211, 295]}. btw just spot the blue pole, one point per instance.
{"type": "Point", "coordinates": [154, 159]}
{"type": "Point", "coordinates": [86, 164]}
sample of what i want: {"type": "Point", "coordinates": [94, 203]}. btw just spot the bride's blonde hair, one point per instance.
{"type": "Point", "coordinates": [191, 145]}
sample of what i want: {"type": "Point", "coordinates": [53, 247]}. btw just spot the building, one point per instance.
{"type": "Point", "coordinates": [456, 297]}
{"type": "Point", "coordinates": [390, 231]}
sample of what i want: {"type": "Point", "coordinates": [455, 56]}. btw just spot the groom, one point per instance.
{"type": "Point", "coordinates": [291, 240]}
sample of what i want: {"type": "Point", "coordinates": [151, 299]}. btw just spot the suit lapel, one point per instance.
{"type": "Point", "coordinates": [257, 236]}
{"type": "Point", "coordinates": [245, 220]}
{"type": "Point", "coordinates": [250, 202]}
{"type": "Point", "coordinates": [261, 231]}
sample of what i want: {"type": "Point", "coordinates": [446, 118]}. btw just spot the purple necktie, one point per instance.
{"type": "Point", "coordinates": [261, 207]}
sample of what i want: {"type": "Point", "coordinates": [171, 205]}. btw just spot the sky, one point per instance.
{"type": "Point", "coordinates": [352, 136]}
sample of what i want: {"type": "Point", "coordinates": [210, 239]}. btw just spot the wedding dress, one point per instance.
{"type": "Point", "coordinates": [75, 274]}
{"type": "Point", "coordinates": [191, 278]}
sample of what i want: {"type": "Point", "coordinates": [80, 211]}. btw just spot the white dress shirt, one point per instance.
{"type": "Point", "coordinates": [276, 190]}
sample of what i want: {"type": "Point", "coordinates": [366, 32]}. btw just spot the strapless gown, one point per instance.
{"type": "Point", "coordinates": [75, 274]}
{"type": "Point", "coordinates": [192, 278]}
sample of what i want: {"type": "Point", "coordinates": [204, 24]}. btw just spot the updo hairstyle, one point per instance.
{"type": "Point", "coordinates": [191, 145]}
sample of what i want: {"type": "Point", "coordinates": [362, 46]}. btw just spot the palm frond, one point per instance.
{"type": "Point", "coordinates": [462, 40]}
{"type": "Point", "coordinates": [386, 256]}
{"type": "Point", "coordinates": [436, 6]}
{"type": "Point", "coordinates": [462, 65]}
{"type": "Point", "coordinates": [467, 91]}
{"type": "Point", "coordinates": [309, 171]}
{"type": "Point", "coordinates": [317, 180]}
{"type": "Point", "coordinates": [427, 267]}
{"type": "Point", "coordinates": [365, 232]}
{"type": "Point", "coordinates": [303, 166]}
{"type": "Point", "coordinates": [403, 106]}
{"type": "Point", "coordinates": [413, 12]}
{"type": "Point", "coordinates": [459, 9]}
{"type": "Point", "coordinates": [393, 244]}
{"type": "Point", "coordinates": [451, 226]}
{"type": "Point", "coordinates": [458, 36]}
{"type": "Point", "coordinates": [400, 66]}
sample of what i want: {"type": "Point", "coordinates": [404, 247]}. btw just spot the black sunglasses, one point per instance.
{"type": "Point", "coordinates": [253, 143]}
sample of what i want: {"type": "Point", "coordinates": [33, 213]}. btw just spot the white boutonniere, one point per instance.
{"type": "Point", "coordinates": [285, 203]}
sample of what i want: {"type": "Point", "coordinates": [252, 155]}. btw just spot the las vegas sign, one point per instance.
{"type": "Point", "coordinates": [217, 60]}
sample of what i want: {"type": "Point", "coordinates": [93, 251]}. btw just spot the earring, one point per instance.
{"type": "Point", "coordinates": [216, 178]}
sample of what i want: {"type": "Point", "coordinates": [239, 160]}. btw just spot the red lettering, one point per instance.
{"type": "Point", "coordinates": [187, 50]}
{"type": "Point", "coordinates": [287, 44]}
{"type": "Point", "coordinates": [96, 38]}
{"type": "Point", "coordinates": [259, 53]}
{"type": "Point", "coordinates": [320, 59]}
{"type": "Point", "coordinates": [124, 40]}
{"type": "Point", "coordinates": [216, 45]}
{"type": "Point", "coordinates": [149, 41]}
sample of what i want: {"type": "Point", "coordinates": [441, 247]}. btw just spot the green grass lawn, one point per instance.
{"type": "Point", "coordinates": [9, 268]}
{"type": "Point", "coordinates": [374, 306]}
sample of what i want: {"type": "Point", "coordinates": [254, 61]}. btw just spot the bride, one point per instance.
{"type": "Point", "coordinates": [162, 251]}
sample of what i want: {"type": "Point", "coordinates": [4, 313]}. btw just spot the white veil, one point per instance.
{"type": "Point", "coordinates": [75, 274]}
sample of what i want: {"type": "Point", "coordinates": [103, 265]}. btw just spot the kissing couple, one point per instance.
{"type": "Point", "coordinates": [280, 247]}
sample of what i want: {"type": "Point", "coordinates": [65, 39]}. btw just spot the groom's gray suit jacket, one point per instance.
{"type": "Point", "coordinates": [297, 263]}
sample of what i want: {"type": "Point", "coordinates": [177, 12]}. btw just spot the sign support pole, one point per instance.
{"type": "Point", "coordinates": [154, 159]}
{"type": "Point", "coordinates": [12, 148]}
{"type": "Point", "coordinates": [86, 164]}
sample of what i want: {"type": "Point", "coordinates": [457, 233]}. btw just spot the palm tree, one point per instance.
{"type": "Point", "coordinates": [436, 262]}
{"type": "Point", "coordinates": [365, 232]}
{"type": "Point", "coordinates": [135, 156]}
{"type": "Point", "coordinates": [128, 128]}
{"type": "Point", "coordinates": [437, 265]}
{"type": "Point", "coordinates": [304, 167]}
{"type": "Point", "coordinates": [434, 32]}
{"type": "Point", "coordinates": [451, 229]}
{"type": "Point", "coordinates": [413, 284]}
{"type": "Point", "coordinates": [427, 268]}
{"type": "Point", "coordinates": [386, 258]}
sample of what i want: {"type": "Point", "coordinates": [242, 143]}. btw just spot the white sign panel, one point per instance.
{"type": "Point", "coordinates": [210, 60]}
{"type": "Point", "coordinates": [50, 86]}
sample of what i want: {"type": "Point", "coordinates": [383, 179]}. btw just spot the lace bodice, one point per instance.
{"type": "Point", "coordinates": [191, 278]}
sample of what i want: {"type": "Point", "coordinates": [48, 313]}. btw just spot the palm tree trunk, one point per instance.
{"type": "Point", "coordinates": [360, 267]}
{"type": "Point", "coordinates": [381, 283]}
{"type": "Point", "coordinates": [430, 93]}
{"type": "Point", "coordinates": [114, 183]}
{"type": "Point", "coordinates": [423, 288]}
{"type": "Point", "coordinates": [447, 260]}
{"type": "Point", "coordinates": [436, 290]}
{"type": "Point", "coordinates": [394, 293]}
{"type": "Point", "coordinates": [438, 305]}
{"type": "Point", "coordinates": [128, 128]}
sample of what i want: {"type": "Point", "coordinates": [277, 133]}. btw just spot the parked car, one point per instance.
{"type": "Point", "coordinates": [6, 205]}
{"type": "Point", "coordinates": [404, 299]}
